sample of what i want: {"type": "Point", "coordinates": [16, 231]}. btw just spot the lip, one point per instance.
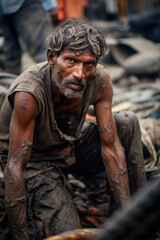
{"type": "Point", "coordinates": [74, 86]}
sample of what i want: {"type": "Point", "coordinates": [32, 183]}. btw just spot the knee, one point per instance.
{"type": "Point", "coordinates": [127, 122]}
{"type": "Point", "coordinates": [126, 117]}
{"type": "Point", "coordinates": [131, 120]}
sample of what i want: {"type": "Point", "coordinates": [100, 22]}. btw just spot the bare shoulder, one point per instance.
{"type": "Point", "coordinates": [25, 103]}
{"type": "Point", "coordinates": [106, 82]}
{"type": "Point", "coordinates": [106, 88]}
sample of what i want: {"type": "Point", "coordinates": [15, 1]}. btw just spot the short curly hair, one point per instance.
{"type": "Point", "coordinates": [77, 34]}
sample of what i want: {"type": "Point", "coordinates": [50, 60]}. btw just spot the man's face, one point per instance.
{"type": "Point", "coordinates": [72, 70]}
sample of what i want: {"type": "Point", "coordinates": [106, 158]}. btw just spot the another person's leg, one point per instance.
{"type": "Point", "coordinates": [11, 47]}
{"type": "Point", "coordinates": [33, 27]}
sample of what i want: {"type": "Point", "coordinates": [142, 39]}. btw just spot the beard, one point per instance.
{"type": "Point", "coordinates": [66, 91]}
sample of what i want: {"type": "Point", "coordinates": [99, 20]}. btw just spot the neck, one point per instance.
{"type": "Point", "coordinates": [57, 95]}
{"type": "Point", "coordinates": [59, 98]}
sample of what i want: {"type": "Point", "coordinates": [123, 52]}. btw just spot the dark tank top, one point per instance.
{"type": "Point", "coordinates": [47, 135]}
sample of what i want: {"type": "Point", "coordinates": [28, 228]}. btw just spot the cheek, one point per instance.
{"type": "Point", "coordinates": [89, 73]}
{"type": "Point", "coordinates": [63, 70]}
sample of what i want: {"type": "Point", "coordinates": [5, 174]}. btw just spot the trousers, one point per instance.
{"type": "Point", "coordinates": [50, 206]}
{"type": "Point", "coordinates": [26, 29]}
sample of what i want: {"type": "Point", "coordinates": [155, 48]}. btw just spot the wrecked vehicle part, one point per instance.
{"type": "Point", "coordinates": [146, 63]}
{"type": "Point", "coordinates": [137, 55]}
{"type": "Point", "coordinates": [115, 70]}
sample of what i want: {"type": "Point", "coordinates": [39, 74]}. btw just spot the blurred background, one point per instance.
{"type": "Point", "coordinates": [116, 18]}
{"type": "Point", "coordinates": [132, 32]}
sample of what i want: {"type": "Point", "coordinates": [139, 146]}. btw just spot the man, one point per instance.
{"type": "Point", "coordinates": [40, 122]}
{"type": "Point", "coordinates": [25, 23]}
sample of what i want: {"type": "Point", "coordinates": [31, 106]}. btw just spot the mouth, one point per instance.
{"type": "Point", "coordinates": [75, 86]}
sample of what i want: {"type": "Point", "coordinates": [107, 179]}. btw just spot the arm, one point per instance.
{"type": "Point", "coordinates": [21, 136]}
{"type": "Point", "coordinates": [112, 151]}
{"type": "Point", "coordinates": [51, 6]}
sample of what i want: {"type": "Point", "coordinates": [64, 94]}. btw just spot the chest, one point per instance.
{"type": "Point", "coordinates": [68, 114]}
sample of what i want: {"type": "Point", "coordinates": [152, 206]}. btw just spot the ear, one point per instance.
{"type": "Point", "coordinates": [51, 57]}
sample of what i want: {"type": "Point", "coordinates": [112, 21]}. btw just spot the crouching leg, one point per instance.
{"type": "Point", "coordinates": [129, 133]}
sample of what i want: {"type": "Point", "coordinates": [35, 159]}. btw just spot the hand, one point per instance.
{"type": "Point", "coordinates": [54, 15]}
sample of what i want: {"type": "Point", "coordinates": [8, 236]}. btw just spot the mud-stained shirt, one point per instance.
{"type": "Point", "coordinates": [37, 81]}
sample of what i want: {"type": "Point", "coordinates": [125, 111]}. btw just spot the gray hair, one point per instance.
{"type": "Point", "coordinates": [77, 34]}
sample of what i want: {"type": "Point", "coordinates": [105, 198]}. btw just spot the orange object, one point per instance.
{"type": "Point", "coordinates": [123, 8]}
{"type": "Point", "coordinates": [70, 8]}
{"type": "Point", "coordinates": [61, 16]}
{"type": "Point", "coordinates": [74, 8]}
{"type": "Point", "coordinates": [89, 118]}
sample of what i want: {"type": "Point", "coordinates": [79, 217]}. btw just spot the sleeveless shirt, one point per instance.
{"type": "Point", "coordinates": [37, 81]}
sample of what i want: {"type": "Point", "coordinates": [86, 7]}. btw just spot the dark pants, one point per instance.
{"type": "Point", "coordinates": [30, 25]}
{"type": "Point", "coordinates": [88, 149]}
{"type": "Point", "coordinates": [50, 206]}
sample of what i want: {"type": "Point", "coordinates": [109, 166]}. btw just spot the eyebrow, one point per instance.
{"type": "Point", "coordinates": [72, 55]}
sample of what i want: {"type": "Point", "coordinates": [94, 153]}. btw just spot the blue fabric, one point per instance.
{"type": "Point", "coordinates": [33, 33]}
{"type": "Point", "coordinates": [49, 4]}
{"type": "Point", "coordinates": [12, 6]}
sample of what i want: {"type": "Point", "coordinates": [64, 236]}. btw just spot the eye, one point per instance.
{"type": "Point", "coordinates": [70, 60]}
{"type": "Point", "coordinates": [90, 64]}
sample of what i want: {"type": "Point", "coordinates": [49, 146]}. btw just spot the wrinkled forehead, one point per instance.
{"type": "Point", "coordinates": [84, 52]}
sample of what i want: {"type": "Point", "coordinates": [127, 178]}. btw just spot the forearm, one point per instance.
{"type": "Point", "coordinates": [15, 201]}
{"type": "Point", "coordinates": [116, 169]}
{"type": "Point", "coordinates": [15, 194]}
{"type": "Point", "coordinates": [17, 218]}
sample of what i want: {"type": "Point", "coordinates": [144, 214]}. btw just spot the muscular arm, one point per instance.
{"type": "Point", "coordinates": [21, 136]}
{"type": "Point", "coordinates": [112, 151]}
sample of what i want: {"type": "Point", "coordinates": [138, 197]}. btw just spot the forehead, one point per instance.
{"type": "Point", "coordinates": [85, 52]}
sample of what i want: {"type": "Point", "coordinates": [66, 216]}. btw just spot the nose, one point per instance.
{"type": "Point", "coordinates": [79, 72]}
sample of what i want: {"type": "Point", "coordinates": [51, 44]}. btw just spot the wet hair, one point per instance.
{"type": "Point", "coordinates": [77, 34]}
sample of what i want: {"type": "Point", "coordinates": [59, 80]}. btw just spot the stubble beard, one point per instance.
{"type": "Point", "coordinates": [67, 92]}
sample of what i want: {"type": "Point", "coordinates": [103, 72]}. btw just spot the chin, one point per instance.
{"type": "Point", "coordinates": [72, 94]}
